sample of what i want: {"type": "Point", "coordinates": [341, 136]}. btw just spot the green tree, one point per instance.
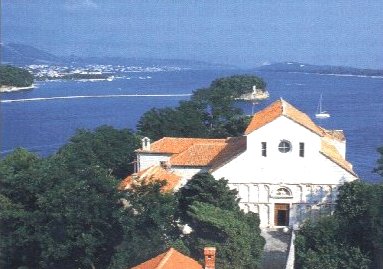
{"type": "Point", "coordinates": [15, 76]}
{"type": "Point", "coordinates": [204, 188]}
{"type": "Point", "coordinates": [186, 120]}
{"type": "Point", "coordinates": [53, 216]}
{"type": "Point", "coordinates": [149, 227]}
{"type": "Point", "coordinates": [235, 235]}
{"type": "Point", "coordinates": [211, 208]}
{"type": "Point", "coordinates": [105, 147]}
{"type": "Point", "coordinates": [379, 167]}
{"type": "Point", "coordinates": [321, 245]}
{"type": "Point", "coordinates": [211, 112]}
{"type": "Point", "coordinates": [19, 189]}
{"type": "Point", "coordinates": [80, 216]}
{"type": "Point", "coordinates": [360, 212]}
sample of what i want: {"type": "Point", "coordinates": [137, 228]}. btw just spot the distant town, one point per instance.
{"type": "Point", "coordinates": [90, 72]}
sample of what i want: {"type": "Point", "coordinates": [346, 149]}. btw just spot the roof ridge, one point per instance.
{"type": "Point", "coordinates": [165, 259]}
{"type": "Point", "coordinates": [338, 159]}
{"type": "Point", "coordinates": [283, 105]}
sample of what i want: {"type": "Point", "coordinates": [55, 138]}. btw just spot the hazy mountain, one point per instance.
{"type": "Point", "coordinates": [20, 54]}
{"type": "Point", "coordinates": [319, 69]}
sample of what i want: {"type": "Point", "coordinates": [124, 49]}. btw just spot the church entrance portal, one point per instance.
{"type": "Point", "coordinates": [281, 214]}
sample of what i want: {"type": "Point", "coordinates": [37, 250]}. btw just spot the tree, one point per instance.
{"type": "Point", "coordinates": [19, 188]}
{"type": "Point", "coordinates": [211, 112]}
{"type": "Point", "coordinates": [80, 212]}
{"type": "Point", "coordinates": [379, 167]}
{"type": "Point", "coordinates": [53, 216]}
{"type": "Point", "coordinates": [203, 187]}
{"type": "Point", "coordinates": [211, 208]}
{"type": "Point", "coordinates": [106, 147]}
{"type": "Point", "coordinates": [15, 76]}
{"type": "Point", "coordinates": [148, 221]}
{"type": "Point", "coordinates": [320, 245]}
{"type": "Point", "coordinates": [186, 120]}
{"type": "Point", "coordinates": [235, 235]}
{"type": "Point", "coordinates": [360, 212]}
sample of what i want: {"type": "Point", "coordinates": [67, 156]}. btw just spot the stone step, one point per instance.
{"type": "Point", "coordinates": [276, 248]}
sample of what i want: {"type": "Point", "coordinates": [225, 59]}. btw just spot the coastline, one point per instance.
{"type": "Point", "coordinates": [15, 89]}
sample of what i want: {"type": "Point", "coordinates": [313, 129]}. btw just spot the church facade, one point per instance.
{"type": "Point", "coordinates": [285, 167]}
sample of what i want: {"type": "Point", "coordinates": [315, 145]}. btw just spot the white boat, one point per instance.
{"type": "Point", "coordinates": [321, 114]}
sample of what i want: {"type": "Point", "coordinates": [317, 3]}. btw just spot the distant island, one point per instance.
{"type": "Point", "coordinates": [14, 78]}
{"type": "Point", "coordinates": [319, 69]}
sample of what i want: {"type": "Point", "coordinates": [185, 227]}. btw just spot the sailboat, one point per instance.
{"type": "Point", "coordinates": [321, 114]}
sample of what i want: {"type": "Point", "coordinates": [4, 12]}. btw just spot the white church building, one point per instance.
{"type": "Point", "coordinates": [285, 167]}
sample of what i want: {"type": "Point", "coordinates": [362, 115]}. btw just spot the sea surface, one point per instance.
{"type": "Point", "coordinates": [43, 119]}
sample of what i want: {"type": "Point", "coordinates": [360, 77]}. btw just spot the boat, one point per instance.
{"type": "Point", "coordinates": [321, 114]}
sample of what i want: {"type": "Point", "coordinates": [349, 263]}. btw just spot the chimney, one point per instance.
{"type": "Point", "coordinates": [209, 253]}
{"type": "Point", "coordinates": [145, 143]}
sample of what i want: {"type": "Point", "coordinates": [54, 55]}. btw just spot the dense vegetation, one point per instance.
{"type": "Point", "coordinates": [210, 112]}
{"type": "Point", "coordinates": [15, 76]}
{"type": "Point", "coordinates": [353, 236]}
{"type": "Point", "coordinates": [65, 211]}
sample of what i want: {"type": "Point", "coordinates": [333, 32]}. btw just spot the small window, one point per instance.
{"type": "Point", "coordinates": [301, 149]}
{"type": "Point", "coordinates": [264, 149]}
{"type": "Point", "coordinates": [284, 146]}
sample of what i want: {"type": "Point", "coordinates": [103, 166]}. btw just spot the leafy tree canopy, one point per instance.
{"type": "Point", "coordinates": [15, 76]}
{"type": "Point", "coordinates": [149, 226]}
{"type": "Point", "coordinates": [211, 112]}
{"type": "Point", "coordinates": [106, 147]}
{"type": "Point", "coordinates": [211, 208]}
{"type": "Point", "coordinates": [204, 188]}
{"type": "Point", "coordinates": [238, 242]}
{"type": "Point", "coordinates": [53, 216]}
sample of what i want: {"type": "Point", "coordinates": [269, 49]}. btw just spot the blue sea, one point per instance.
{"type": "Point", "coordinates": [42, 124]}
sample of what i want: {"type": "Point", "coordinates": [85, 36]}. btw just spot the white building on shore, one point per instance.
{"type": "Point", "coordinates": [285, 167]}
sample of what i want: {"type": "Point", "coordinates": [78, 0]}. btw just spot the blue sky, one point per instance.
{"type": "Point", "coordinates": [243, 33]}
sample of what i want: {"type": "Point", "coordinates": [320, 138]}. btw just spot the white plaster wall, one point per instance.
{"type": "Point", "coordinates": [188, 172]}
{"type": "Point", "coordinates": [146, 160]}
{"type": "Point", "coordinates": [277, 167]}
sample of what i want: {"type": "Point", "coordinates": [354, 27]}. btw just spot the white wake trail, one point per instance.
{"type": "Point", "coordinates": [93, 96]}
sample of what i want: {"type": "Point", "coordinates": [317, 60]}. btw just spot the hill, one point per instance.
{"type": "Point", "coordinates": [11, 76]}
{"type": "Point", "coordinates": [318, 69]}
{"type": "Point", "coordinates": [21, 54]}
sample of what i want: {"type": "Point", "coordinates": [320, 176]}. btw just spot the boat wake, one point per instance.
{"type": "Point", "coordinates": [92, 96]}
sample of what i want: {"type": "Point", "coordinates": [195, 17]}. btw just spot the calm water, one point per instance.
{"type": "Point", "coordinates": [42, 126]}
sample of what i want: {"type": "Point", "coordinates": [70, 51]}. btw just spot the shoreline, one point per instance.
{"type": "Point", "coordinates": [15, 89]}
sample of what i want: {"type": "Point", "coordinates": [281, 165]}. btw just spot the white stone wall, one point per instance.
{"type": "Point", "coordinates": [277, 167]}
{"type": "Point", "coordinates": [146, 160]}
{"type": "Point", "coordinates": [312, 180]}
{"type": "Point", "coordinates": [305, 201]}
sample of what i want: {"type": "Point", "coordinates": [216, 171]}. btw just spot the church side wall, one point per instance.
{"type": "Point", "coordinates": [146, 160]}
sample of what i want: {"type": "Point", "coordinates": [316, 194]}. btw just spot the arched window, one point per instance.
{"type": "Point", "coordinates": [284, 146]}
{"type": "Point", "coordinates": [283, 192]}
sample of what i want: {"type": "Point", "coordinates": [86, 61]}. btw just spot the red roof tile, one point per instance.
{"type": "Point", "coordinates": [330, 152]}
{"type": "Point", "coordinates": [151, 175]}
{"type": "Point", "coordinates": [206, 154]}
{"type": "Point", "coordinates": [173, 145]}
{"type": "Point", "coordinates": [282, 108]}
{"type": "Point", "coordinates": [171, 259]}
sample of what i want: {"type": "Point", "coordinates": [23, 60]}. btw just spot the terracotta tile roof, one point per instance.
{"type": "Point", "coordinates": [214, 154]}
{"type": "Point", "coordinates": [151, 175]}
{"type": "Point", "coordinates": [330, 152]}
{"type": "Point", "coordinates": [235, 146]}
{"type": "Point", "coordinates": [172, 145]}
{"type": "Point", "coordinates": [335, 134]}
{"type": "Point", "coordinates": [171, 259]}
{"type": "Point", "coordinates": [282, 108]}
